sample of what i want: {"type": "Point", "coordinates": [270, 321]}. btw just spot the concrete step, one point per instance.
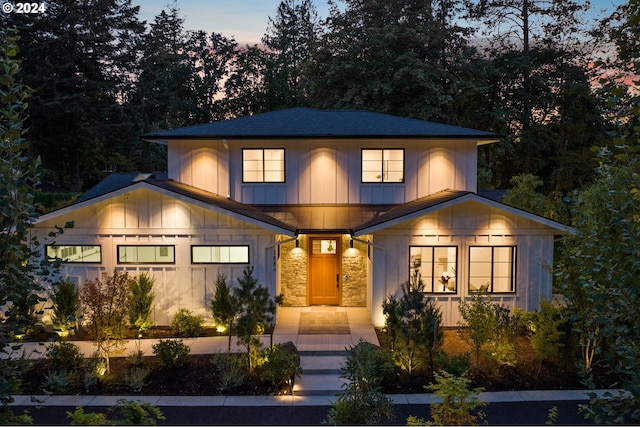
{"type": "Point", "coordinates": [317, 363]}
{"type": "Point", "coordinates": [318, 385]}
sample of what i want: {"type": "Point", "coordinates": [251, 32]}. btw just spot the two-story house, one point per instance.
{"type": "Point", "coordinates": [329, 207]}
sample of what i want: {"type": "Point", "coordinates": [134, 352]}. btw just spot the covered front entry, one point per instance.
{"type": "Point", "coordinates": [324, 271]}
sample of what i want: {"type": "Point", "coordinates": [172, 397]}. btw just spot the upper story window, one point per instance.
{"type": "Point", "coordinates": [263, 165]}
{"type": "Point", "coordinates": [436, 266]}
{"type": "Point", "coordinates": [492, 269]}
{"type": "Point", "coordinates": [75, 253]}
{"type": "Point", "coordinates": [130, 254]}
{"type": "Point", "coordinates": [385, 165]}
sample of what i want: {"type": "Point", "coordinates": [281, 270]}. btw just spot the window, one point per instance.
{"type": "Point", "coordinates": [383, 165]}
{"type": "Point", "coordinates": [263, 165]}
{"type": "Point", "coordinates": [75, 253]}
{"type": "Point", "coordinates": [220, 254]}
{"type": "Point", "coordinates": [492, 269]}
{"type": "Point", "coordinates": [129, 254]}
{"type": "Point", "coordinates": [435, 266]}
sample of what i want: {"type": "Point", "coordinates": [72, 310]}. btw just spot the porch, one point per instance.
{"type": "Point", "coordinates": [324, 328]}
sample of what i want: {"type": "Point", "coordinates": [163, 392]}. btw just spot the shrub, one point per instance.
{"type": "Point", "coordinates": [136, 378]}
{"type": "Point", "coordinates": [129, 412]}
{"type": "Point", "coordinates": [172, 353]}
{"type": "Point", "coordinates": [281, 366]}
{"type": "Point", "coordinates": [224, 307]}
{"type": "Point", "coordinates": [480, 322]}
{"type": "Point", "coordinates": [362, 402]}
{"type": "Point", "coordinates": [81, 418]}
{"type": "Point", "coordinates": [55, 382]}
{"type": "Point", "coordinates": [64, 355]}
{"type": "Point", "coordinates": [458, 402]}
{"type": "Point", "coordinates": [66, 301]}
{"type": "Point", "coordinates": [136, 357]}
{"type": "Point", "coordinates": [139, 302]}
{"type": "Point", "coordinates": [456, 364]}
{"type": "Point", "coordinates": [186, 324]}
{"type": "Point", "coordinates": [232, 371]}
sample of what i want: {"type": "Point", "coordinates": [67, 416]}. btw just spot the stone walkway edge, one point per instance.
{"type": "Point", "coordinates": [253, 401]}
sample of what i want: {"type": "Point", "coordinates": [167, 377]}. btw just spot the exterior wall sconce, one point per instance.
{"type": "Point", "coordinates": [351, 243]}
{"type": "Point", "coordinates": [297, 243]}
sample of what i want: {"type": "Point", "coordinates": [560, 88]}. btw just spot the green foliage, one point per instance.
{"type": "Point", "coordinates": [22, 269]}
{"type": "Point", "coordinates": [454, 364]}
{"type": "Point", "coordinates": [362, 402]}
{"type": "Point", "coordinates": [547, 338]}
{"type": "Point", "coordinates": [459, 402]}
{"type": "Point", "coordinates": [232, 371]}
{"type": "Point", "coordinates": [55, 382]}
{"type": "Point", "coordinates": [124, 412]}
{"type": "Point", "coordinates": [280, 366]}
{"type": "Point", "coordinates": [524, 194]}
{"type": "Point", "coordinates": [80, 418]}
{"type": "Point", "coordinates": [171, 353]}
{"type": "Point", "coordinates": [104, 302]}
{"type": "Point", "coordinates": [48, 202]}
{"type": "Point", "coordinates": [187, 324]}
{"type": "Point", "coordinates": [66, 302]}
{"type": "Point", "coordinates": [414, 325]}
{"type": "Point", "coordinates": [139, 302]}
{"type": "Point", "coordinates": [485, 323]}
{"type": "Point", "coordinates": [136, 378]}
{"type": "Point", "coordinates": [256, 311]}
{"type": "Point", "coordinates": [224, 307]}
{"type": "Point", "coordinates": [64, 355]}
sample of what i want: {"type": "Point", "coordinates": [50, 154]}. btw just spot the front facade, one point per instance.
{"type": "Point", "coordinates": [329, 207]}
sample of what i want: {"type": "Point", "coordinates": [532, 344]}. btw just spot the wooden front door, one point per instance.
{"type": "Point", "coordinates": [324, 271]}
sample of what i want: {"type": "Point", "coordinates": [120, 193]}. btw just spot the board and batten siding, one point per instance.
{"type": "Point", "coordinates": [144, 217]}
{"type": "Point", "coordinates": [464, 225]}
{"type": "Point", "coordinates": [326, 171]}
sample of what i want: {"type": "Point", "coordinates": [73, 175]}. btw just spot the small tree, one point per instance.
{"type": "Point", "coordinates": [104, 302]}
{"type": "Point", "coordinates": [224, 307]}
{"type": "Point", "coordinates": [139, 302]}
{"type": "Point", "coordinates": [479, 323]}
{"type": "Point", "coordinates": [458, 402]}
{"type": "Point", "coordinates": [256, 311]}
{"type": "Point", "coordinates": [66, 301]}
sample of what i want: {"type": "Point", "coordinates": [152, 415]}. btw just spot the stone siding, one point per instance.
{"type": "Point", "coordinates": [293, 272]}
{"type": "Point", "coordinates": [354, 273]}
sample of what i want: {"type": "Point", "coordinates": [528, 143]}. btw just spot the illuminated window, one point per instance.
{"type": "Point", "coordinates": [75, 253]}
{"type": "Point", "coordinates": [323, 246]}
{"type": "Point", "coordinates": [220, 254]}
{"type": "Point", "coordinates": [130, 254]}
{"type": "Point", "coordinates": [436, 266]}
{"type": "Point", "coordinates": [263, 165]}
{"type": "Point", "coordinates": [492, 269]}
{"type": "Point", "coordinates": [383, 165]}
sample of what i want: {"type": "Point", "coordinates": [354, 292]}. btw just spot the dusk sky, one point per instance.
{"type": "Point", "coordinates": [246, 20]}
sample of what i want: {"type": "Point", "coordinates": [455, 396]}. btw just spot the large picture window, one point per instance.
{"type": "Point", "coordinates": [220, 254]}
{"type": "Point", "coordinates": [75, 253]}
{"type": "Point", "coordinates": [492, 269]}
{"type": "Point", "coordinates": [436, 266]}
{"type": "Point", "coordinates": [386, 165]}
{"type": "Point", "coordinates": [130, 254]}
{"type": "Point", "coordinates": [263, 165]}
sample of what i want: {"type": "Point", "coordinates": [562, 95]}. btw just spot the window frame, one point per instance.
{"type": "Point", "coordinates": [221, 246]}
{"type": "Point", "coordinates": [145, 262]}
{"type": "Point", "coordinates": [433, 266]}
{"type": "Point", "coordinates": [284, 166]}
{"type": "Point", "coordinates": [46, 255]}
{"type": "Point", "coordinates": [382, 180]}
{"type": "Point", "coordinates": [514, 266]}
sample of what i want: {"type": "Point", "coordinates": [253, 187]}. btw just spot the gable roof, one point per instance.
{"type": "Point", "coordinates": [117, 180]}
{"type": "Point", "coordinates": [304, 122]}
{"type": "Point", "coordinates": [441, 200]}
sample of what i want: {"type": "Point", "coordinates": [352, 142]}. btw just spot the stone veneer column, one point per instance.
{"type": "Point", "coordinates": [354, 273]}
{"type": "Point", "coordinates": [293, 272]}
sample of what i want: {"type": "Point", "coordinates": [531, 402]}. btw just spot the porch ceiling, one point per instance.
{"type": "Point", "coordinates": [323, 218]}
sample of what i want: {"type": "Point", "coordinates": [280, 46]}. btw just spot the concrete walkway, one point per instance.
{"type": "Point", "coordinates": [322, 356]}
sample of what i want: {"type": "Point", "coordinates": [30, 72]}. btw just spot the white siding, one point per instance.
{"type": "Point", "coordinates": [329, 171]}
{"type": "Point", "coordinates": [143, 217]}
{"type": "Point", "coordinates": [464, 225]}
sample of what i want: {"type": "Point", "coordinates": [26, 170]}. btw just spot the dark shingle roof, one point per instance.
{"type": "Point", "coordinates": [311, 123]}
{"type": "Point", "coordinates": [117, 180]}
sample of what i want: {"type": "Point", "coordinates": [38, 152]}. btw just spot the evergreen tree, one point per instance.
{"type": "Point", "coordinates": [80, 57]}
{"type": "Point", "coordinates": [290, 40]}
{"type": "Point", "coordinates": [224, 307]}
